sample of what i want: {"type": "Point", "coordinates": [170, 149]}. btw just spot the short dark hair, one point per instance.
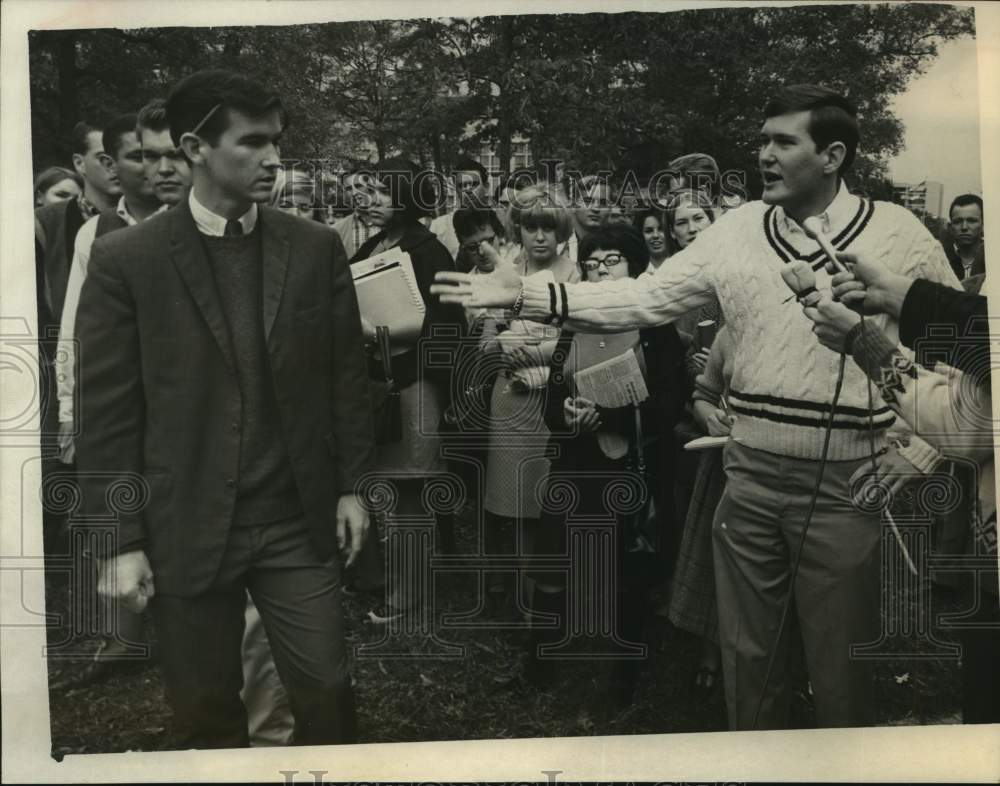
{"type": "Point", "coordinates": [115, 131]}
{"type": "Point", "coordinates": [410, 187]}
{"type": "Point", "coordinates": [616, 237]}
{"type": "Point", "coordinates": [466, 164]}
{"type": "Point", "coordinates": [152, 117]}
{"type": "Point", "coordinates": [964, 200]}
{"type": "Point", "coordinates": [467, 220]}
{"type": "Point", "coordinates": [203, 101]}
{"type": "Point", "coordinates": [832, 118]}
{"type": "Point", "coordinates": [80, 137]}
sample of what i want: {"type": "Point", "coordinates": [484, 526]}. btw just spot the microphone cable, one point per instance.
{"type": "Point", "coordinates": [786, 608]}
{"type": "Point", "coordinates": [802, 540]}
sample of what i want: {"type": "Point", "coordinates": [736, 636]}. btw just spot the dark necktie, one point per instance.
{"type": "Point", "coordinates": [233, 227]}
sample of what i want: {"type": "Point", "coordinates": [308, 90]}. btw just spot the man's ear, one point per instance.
{"type": "Point", "coordinates": [78, 164]}
{"type": "Point", "coordinates": [193, 147]}
{"type": "Point", "coordinates": [836, 152]}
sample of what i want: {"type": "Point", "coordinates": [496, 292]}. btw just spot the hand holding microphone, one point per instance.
{"type": "Point", "coordinates": [832, 321]}
{"type": "Point", "coordinates": [870, 288]}
{"type": "Point", "coordinates": [802, 281]}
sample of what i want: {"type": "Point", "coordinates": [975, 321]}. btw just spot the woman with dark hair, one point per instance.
{"type": "Point", "coordinates": [600, 449]}
{"type": "Point", "coordinates": [57, 184]}
{"type": "Point", "coordinates": [398, 197]}
{"type": "Point", "coordinates": [652, 225]}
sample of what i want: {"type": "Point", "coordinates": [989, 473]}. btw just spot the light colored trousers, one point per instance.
{"type": "Point", "coordinates": [269, 715]}
{"type": "Point", "coordinates": [755, 533]}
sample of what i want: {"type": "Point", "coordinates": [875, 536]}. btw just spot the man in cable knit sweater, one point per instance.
{"type": "Point", "coordinates": [782, 388]}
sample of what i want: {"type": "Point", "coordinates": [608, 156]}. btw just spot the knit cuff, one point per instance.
{"type": "Point", "coordinates": [870, 347]}
{"type": "Point", "coordinates": [539, 291]}
{"type": "Point", "coordinates": [921, 455]}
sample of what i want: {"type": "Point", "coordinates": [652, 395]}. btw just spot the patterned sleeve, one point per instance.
{"type": "Point", "coordinates": [946, 408]}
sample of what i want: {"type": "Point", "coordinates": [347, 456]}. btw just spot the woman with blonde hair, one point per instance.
{"type": "Point", "coordinates": [294, 192]}
{"type": "Point", "coordinates": [517, 465]}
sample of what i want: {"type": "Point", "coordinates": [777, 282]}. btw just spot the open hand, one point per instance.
{"type": "Point", "coordinates": [498, 289]}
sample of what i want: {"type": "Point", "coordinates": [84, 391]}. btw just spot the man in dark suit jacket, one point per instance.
{"type": "Point", "coordinates": [229, 375]}
{"type": "Point", "coordinates": [963, 242]}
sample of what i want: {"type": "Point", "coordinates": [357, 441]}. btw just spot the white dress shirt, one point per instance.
{"type": "Point", "coordinates": [214, 225]}
{"type": "Point", "coordinates": [66, 352]}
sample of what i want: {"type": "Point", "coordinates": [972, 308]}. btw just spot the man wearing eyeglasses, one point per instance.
{"type": "Point", "coordinates": [237, 392]}
{"type": "Point", "coordinates": [471, 183]}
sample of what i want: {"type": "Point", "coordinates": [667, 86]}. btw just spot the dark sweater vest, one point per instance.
{"type": "Point", "coordinates": [265, 489]}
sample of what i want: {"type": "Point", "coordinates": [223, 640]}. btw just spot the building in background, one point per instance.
{"type": "Point", "coordinates": [924, 199]}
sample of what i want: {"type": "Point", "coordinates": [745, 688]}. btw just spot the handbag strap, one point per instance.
{"type": "Point", "coordinates": [382, 337]}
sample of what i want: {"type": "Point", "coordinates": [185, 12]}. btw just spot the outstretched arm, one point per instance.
{"type": "Point", "coordinates": [608, 307]}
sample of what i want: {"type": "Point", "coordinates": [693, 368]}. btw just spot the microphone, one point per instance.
{"type": "Point", "coordinates": [801, 279]}
{"type": "Point", "coordinates": [814, 229]}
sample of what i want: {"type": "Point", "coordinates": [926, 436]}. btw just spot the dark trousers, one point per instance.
{"type": "Point", "coordinates": [298, 597]}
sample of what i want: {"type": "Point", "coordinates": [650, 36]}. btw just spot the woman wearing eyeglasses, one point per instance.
{"type": "Point", "coordinates": [600, 452]}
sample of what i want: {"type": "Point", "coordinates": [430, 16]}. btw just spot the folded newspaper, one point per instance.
{"type": "Point", "coordinates": [616, 382]}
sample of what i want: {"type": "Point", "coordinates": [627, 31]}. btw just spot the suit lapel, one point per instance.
{"type": "Point", "coordinates": [191, 260]}
{"type": "Point", "coordinates": [274, 252]}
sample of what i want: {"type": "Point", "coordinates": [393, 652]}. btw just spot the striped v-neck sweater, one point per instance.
{"type": "Point", "coordinates": [783, 379]}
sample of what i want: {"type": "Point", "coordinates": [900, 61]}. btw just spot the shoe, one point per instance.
{"type": "Point", "coordinates": [706, 680]}
{"type": "Point", "coordinates": [383, 614]}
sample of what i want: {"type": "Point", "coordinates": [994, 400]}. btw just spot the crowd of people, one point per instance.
{"type": "Point", "coordinates": [203, 335]}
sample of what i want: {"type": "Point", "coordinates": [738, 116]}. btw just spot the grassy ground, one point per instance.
{"type": "Point", "coordinates": [430, 698]}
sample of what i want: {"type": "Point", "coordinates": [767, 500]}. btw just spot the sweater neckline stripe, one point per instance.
{"type": "Point", "coordinates": [845, 237]}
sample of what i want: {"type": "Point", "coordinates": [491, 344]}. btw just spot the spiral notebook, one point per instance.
{"type": "Point", "coordinates": [387, 291]}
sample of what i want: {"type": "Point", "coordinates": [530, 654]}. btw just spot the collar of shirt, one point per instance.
{"type": "Point", "coordinates": [213, 224]}
{"type": "Point", "coordinates": [122, 210]}
{"type": "Point", "coordinates": [87, 209]}
{"type": "Point", "coordinates": [975, 251]}
{"type": "Point", "coordinates": [841, 210]}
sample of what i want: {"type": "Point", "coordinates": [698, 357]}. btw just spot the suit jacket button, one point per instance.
{"type": "Point", "coordinates": [234, 426]}
{"type": "Point", "coordinates": [230, 483]}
